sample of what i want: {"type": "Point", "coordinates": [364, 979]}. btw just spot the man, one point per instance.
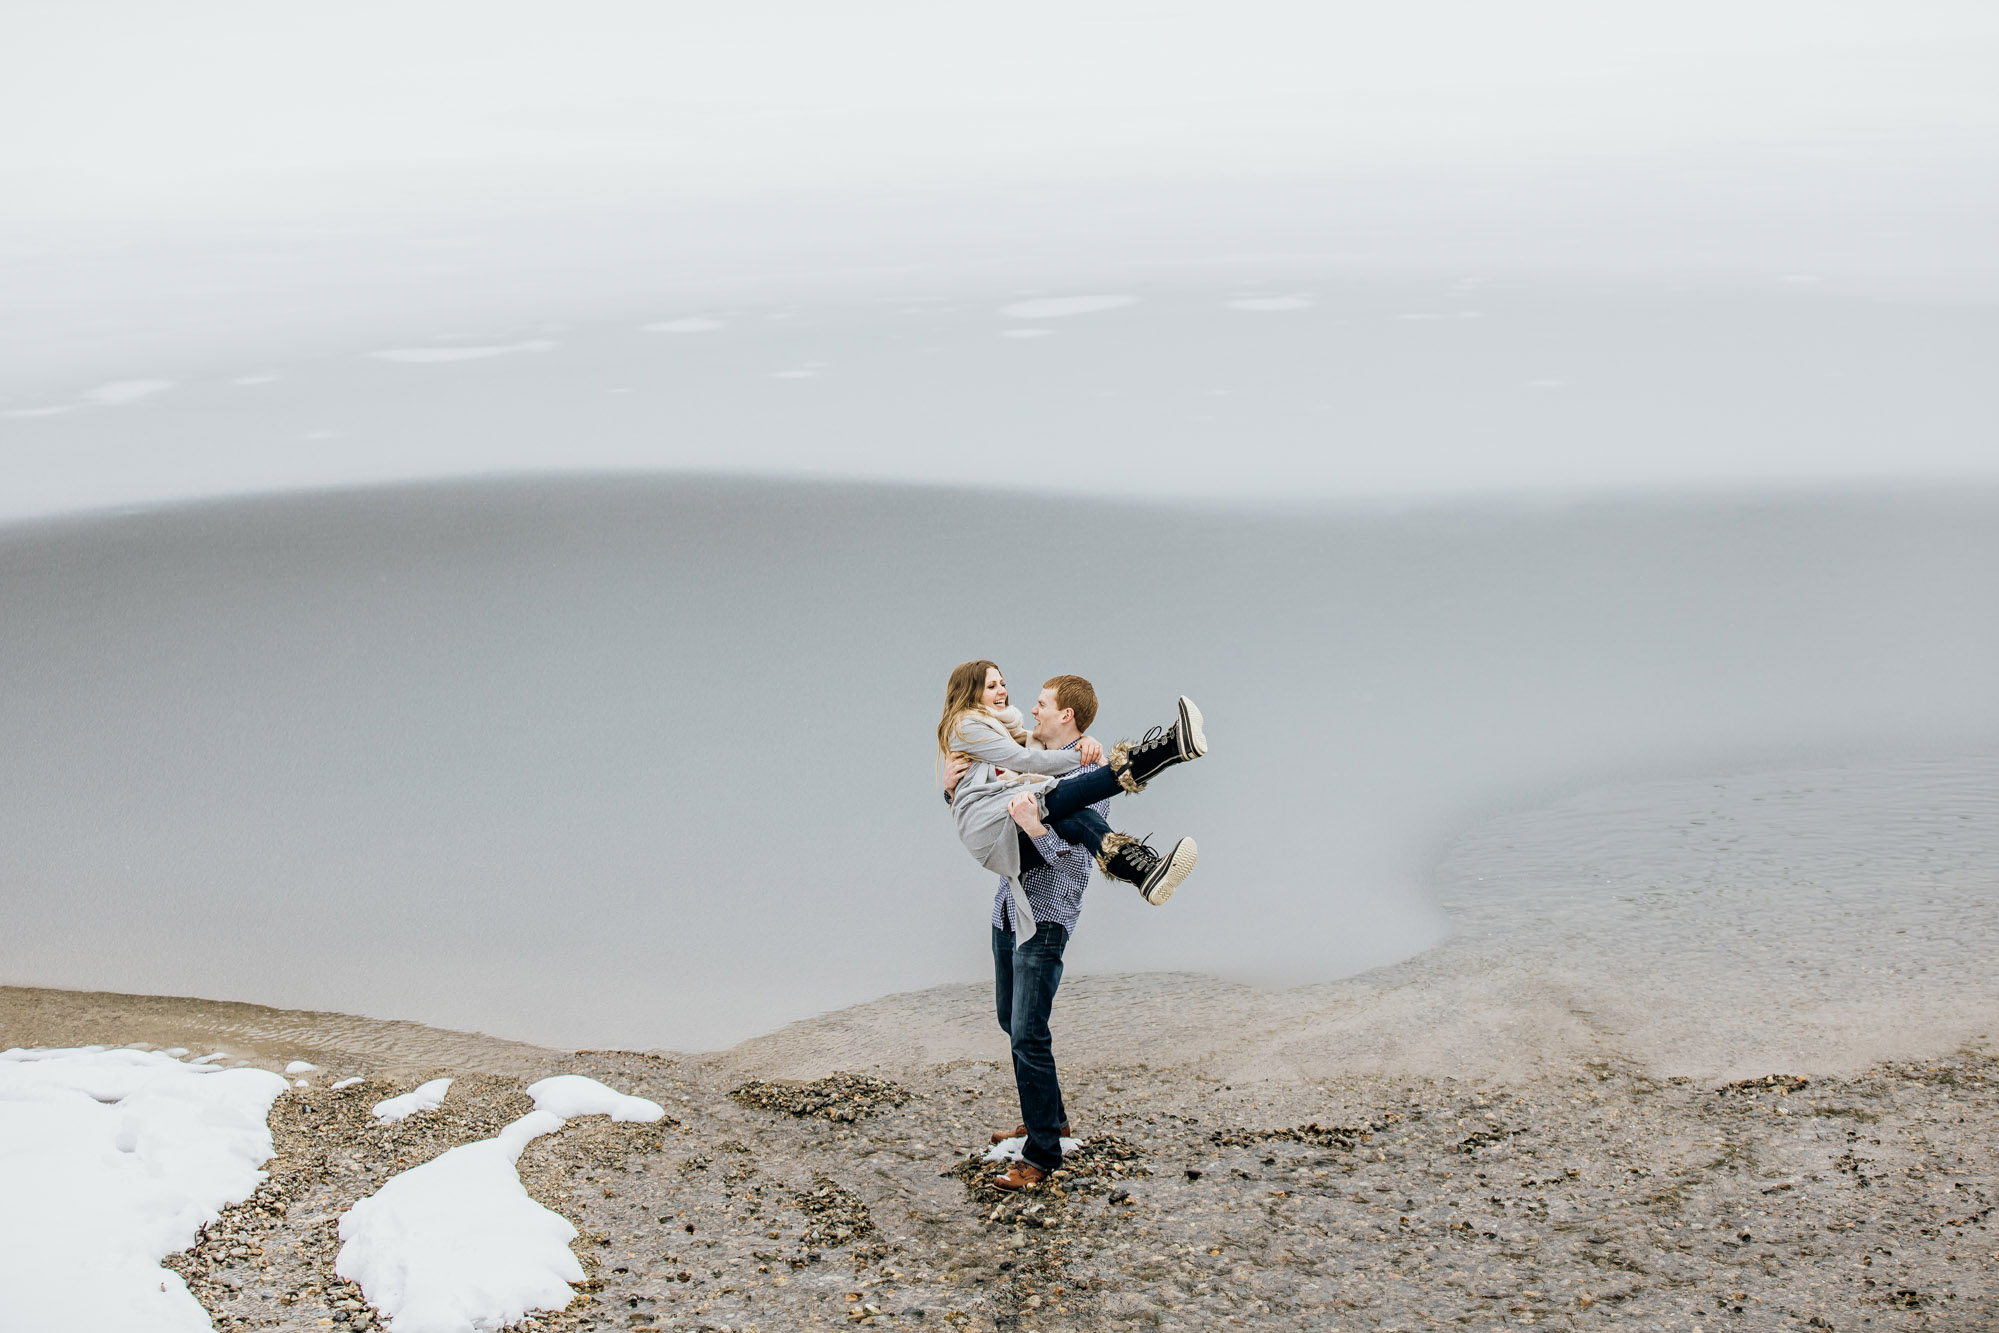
{"type": "Point", "coordinates": [1026, 972]}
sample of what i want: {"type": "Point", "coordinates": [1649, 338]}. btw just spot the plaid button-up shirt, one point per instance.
{"type": "Point", "coordinates": [1054, 890]}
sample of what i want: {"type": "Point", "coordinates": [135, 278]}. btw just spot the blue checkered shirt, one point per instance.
{"type": "Point", "coordinates": [1055, 889]}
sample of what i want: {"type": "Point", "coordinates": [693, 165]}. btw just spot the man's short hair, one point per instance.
{"type": "Point", "coordinates": [1077, 694]}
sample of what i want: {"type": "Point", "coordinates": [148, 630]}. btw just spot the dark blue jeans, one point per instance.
{"type": "Point", "coordinates": [1024, 982]}
{"type": "Point", "coordinates": [1068, 802]}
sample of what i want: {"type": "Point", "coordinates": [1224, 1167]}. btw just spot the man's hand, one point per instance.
{"type": "Point", "coordinates": [1026, 814]}
{"type": "Point", "coordinates": [1089, 751]}
{"type": "Point", "coordinates": [955, 768]}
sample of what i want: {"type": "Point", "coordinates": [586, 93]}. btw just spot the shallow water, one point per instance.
{"type": "Point", "coordinates": [643, 762]}
{"type": "Point", "coordinates": [1787, 869]}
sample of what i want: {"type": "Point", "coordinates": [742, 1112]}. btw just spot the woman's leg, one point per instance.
{"type": "Point", "coordinates": [1067, 804]}
{"type": "Point", "coordinates": [1162, 747]}
{"type": "Point", "coordinates": [1085, 828]}
{"type": "Point", "coordinates": [1030, 855]}
{"type": "Point", "coordinates": [1079, 791]}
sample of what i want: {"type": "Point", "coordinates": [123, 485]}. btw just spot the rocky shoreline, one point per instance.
{"type": "Point", "coordinates": [1592, 1195]}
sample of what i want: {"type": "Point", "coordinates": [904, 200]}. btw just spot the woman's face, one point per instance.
{"type": "Point", "coordinates": [995, 691]}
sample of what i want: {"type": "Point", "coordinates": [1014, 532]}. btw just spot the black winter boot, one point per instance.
{"type": "Point", "coordinates": [1162, 747]}
{"type": "Point", "coordinates": [1129, 859]}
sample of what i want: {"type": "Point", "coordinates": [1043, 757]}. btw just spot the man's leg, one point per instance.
{"type": "Point", "coordinates": [1037, 971]}
{"type": "Point", "coordinates": [1003, 978]}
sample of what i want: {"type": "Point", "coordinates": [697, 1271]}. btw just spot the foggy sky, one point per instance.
{"type": "Point", "coordinates": [171, 108]}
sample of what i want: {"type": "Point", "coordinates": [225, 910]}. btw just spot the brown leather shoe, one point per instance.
{"type": "Point", "coordinates": [1023, 1176]}
{"type": "Point", "coordinates": [1020, 1132]}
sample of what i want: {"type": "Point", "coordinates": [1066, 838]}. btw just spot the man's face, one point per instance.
{"type": "Point", "coordinates": [1053, 724]}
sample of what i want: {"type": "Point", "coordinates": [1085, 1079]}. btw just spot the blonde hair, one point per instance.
{"type": "Point", "coordinates": [963, 694]}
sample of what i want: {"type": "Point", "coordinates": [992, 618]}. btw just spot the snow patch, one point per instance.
{"type": "Point", "coordinates": [690, 325]}
{"type": "Point", "coordinates": [300, 1067]}
{"type": "Point", "coordinates": [1061, 307]}
{"type": "Point", "coordinates": [111, 1160]}
{"type": "Point", "coordinates": [428, 1097]}
{"type": "Point", "coordinates": [429, 355]}
{"type": "Point", "coordinates": [119, 392]}
{"type": "Point", "coordinates": [346, 1083]}
{"type": "Point", "coordinates": [571, 1095]}
{"type": "Point", "coordinates": [457, 1244]}
{"type": "Point", "coordinates": [1008, 1150]}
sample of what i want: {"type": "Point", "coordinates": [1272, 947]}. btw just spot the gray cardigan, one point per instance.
{"type": "Point", "coordinates": [979, 803]}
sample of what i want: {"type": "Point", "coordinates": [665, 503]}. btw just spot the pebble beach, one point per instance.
{"type": "Point", "coordinates": [1461, 1141]}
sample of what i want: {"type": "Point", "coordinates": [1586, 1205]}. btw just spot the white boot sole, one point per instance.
{"type": "Point", "coordinates": [1179, 865]}
{"type": "Point", "coordinates": [1193, 741]}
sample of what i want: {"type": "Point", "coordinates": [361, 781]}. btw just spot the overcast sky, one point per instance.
{"type": "Point", "coordinates": [184, 108]}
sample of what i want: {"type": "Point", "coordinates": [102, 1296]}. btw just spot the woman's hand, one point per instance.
{"type": "Point", "coordinates": [1089, 751]}
{"type": "Point", "coordinates": [1027, 814]}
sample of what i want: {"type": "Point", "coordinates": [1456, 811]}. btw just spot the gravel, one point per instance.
{"type": "Point", "coordinates": [1599, 1197]}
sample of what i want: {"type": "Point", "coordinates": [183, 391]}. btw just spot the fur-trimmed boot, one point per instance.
{"type": "Point", "coordinates": [1154, 876]}
{"type": "Point", "coordinates": [1162, 747]}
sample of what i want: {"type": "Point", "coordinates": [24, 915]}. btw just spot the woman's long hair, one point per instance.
{"type": "Point", "coordinates": [964, 694]}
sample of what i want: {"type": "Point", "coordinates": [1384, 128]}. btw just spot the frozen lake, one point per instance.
{"type": "Point", "coordinates": [643, 761]}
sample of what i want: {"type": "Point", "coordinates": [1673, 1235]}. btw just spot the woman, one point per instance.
{"type": "Point", "coordinates": [1004, 769]}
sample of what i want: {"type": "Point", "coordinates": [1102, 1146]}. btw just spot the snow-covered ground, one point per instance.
{"type": "Point", "coordinates": [456, 1244]}
{"type": "Point", "coordinates": [109, 1161]}
{"type": "Point", "coordinates": [1009, 1150]}
{"type": "Point", "coordinates": [427, 1097]}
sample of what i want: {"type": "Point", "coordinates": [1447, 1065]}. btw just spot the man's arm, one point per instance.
{"type": "Point", "coordinates": [954, 768]}
{"type": "Point", "coordinates": [1028, 815]}
{"type": "Point", "coordinates": [1047, 841]}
